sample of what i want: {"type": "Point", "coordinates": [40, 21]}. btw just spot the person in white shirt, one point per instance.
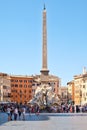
{"type": "Point", "coordinates": [8, 112]}
{"type": "Point", "coordinates": [15, 113]}
{"type": "Point", "coordinates": [23, 112]}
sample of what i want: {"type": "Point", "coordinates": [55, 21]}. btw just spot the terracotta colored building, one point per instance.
{"type": "Point", "coordinates": [21, 89]}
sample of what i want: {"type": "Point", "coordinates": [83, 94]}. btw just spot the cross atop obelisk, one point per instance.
{"type": "Point", "coordinates": [44, 71]}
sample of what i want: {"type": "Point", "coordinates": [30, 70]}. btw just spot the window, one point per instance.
{"type": "Point", "coordinates": [12, 80]}
{"type": "Point", "coordinates": [29, 96]}
{"type": "Point", "coordinates": [29, 91]}
{"type": "Point", "coordinates": [16, 80]}
{"type": "Point", "coordinates": [85, 99]}
{"type": "Point", "coordinates": [29, 81]}
{"type": "Point", "coordinates": [83, 86]}
{"type": "Point", "coordinates": [16, 91]}
{"type": "Point", "coordinates": [29, 86]}
{"type": "Point", "coordinates": [16, 85]}
{"type": "Point", "coordinates": [25, 86]}
{"type": "Point", "coordinates": [20, 85]}
{"type": "Point", "coordinates": [25, 81]}
{"type": "Point", "coordinates": [20, 91]}
{"type": "Point", "coordinates": [12, 91]}
{"type": "Point", "coordinates": [83, 81]}
{"type": "Point", "coordinates": [32, 85]}
{"type": "Point", "coordinates": [5, 87]}
{"type": "Point", "coordinates": [20, 81]}
{"type": "Point", "coordinates": [12, 85]}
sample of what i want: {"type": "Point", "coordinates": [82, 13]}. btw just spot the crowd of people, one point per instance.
{"type": "Point", "coordinates": [16, 111]}
{"type": "Point", "coordinates": [68, 108]}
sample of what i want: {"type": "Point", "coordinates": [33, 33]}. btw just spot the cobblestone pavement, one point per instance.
{"type": "Point", "coordinates": [46, 121]}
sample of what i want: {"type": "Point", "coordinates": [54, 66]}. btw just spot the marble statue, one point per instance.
{"type": "Point", "coordinates": [45, 96]}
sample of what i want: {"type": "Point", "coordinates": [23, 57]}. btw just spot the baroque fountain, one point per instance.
{"type": "Point", "coordinates": [45, 97]}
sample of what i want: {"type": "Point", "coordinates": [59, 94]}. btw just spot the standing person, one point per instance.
{"type": "Point", "coordinates": [29, 110]}
{"type": "Point", "coordinates": [19, 113]}
{"type": "Point", "coordinates": [8, 112]}
{"type": "Point", "coordinates": [77, 108]}
{"type": "Point", "coordinates": [15, 113]}
{"type": "Point", "coordinates": [37, 110]}
{"type": "Point", "coordinates": [23, 112]}
{"type": "Point", "coordinates": [11, 112]}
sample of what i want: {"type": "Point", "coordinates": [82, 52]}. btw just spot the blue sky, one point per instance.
{"type": "Point", "coordinates": [21, 37]}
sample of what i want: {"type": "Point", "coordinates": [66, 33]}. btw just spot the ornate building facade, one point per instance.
{"type": "Point", "coordinates": [77, 88]}
{"type": "Point", "coordinates": [5, 88]}
{"type": "Point", "coordinates": [21, 88]}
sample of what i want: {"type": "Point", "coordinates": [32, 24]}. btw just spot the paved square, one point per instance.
{"type": "Point", "coordinates": [46, 122]}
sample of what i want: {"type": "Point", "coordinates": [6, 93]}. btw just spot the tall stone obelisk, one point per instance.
{"type": "Point", "coordinates": [44, 71]}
